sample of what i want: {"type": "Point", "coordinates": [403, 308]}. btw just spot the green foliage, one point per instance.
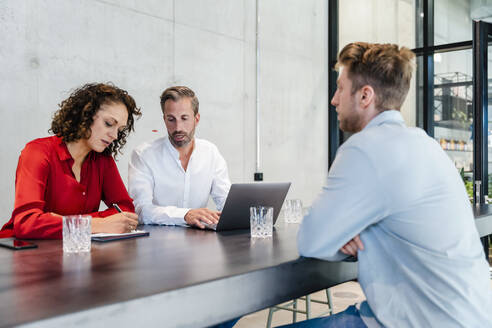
{"type": "Point", "coordinates": [469, 184]}
{"type": "Point", "coordinates": [490, 186]}
{"type": "Point", "coordinates": [469, 189]}
{"type": "Point", "coordinates": [460, 116]}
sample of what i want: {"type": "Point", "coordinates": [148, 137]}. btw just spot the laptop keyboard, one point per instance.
{"type": "Point", "coordinates": [210, 226]}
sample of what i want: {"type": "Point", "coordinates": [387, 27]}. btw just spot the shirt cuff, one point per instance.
{"type": "Point", "coordinates": [180, 214]}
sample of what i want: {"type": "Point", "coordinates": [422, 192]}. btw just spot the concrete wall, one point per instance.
{"type": "Point", "coordinates": [452, 21]}
{"type": "Point", "coordinates": [50, 47]}
{"type": "Point", "coordinates": [481, 10]}
{"type": "Point", "coordinates": [381, 21]}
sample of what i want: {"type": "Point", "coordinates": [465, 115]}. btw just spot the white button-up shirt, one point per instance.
{"type": "Point", "coordinates": [163, 192]}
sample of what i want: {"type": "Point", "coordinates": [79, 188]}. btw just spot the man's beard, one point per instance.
{"type": "Point", "coordinates": [352, 123]}
{"type": "Point", "coordinates": [183, 142]}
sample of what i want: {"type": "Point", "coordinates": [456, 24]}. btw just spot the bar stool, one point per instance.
{"type": "Point", "coordinates": [292, 306]}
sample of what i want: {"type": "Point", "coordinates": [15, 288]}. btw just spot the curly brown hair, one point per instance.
{"type": "Point", "coordinates": [74, 118]}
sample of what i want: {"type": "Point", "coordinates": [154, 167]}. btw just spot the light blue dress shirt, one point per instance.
{"type": "Point", "coordinates": [423, 264]}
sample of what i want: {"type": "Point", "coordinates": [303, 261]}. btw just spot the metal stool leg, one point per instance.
{"type": "Point", "coordinates": [330, 302]}
{"type": "Point", "coordinates": [270, 317]}
{"type": "Point", "coordinates": [294, 313]}
{"type": "Point", "coordinates": [308, 307]}
{"type": "Point", "coordinates": [294, 308]}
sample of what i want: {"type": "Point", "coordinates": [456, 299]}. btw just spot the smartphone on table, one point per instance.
{"type": "Point", "coordinates": [16, 244]}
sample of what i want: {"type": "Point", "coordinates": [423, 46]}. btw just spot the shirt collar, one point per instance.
{"type": "Point", "coordinates": [174, 152]}
{"type": "Point", "coordinates": [61, 149]}
{"type": "Point", "coordinates": [64, 154]}
{"type": "Point", "coordinates": [387, 116]}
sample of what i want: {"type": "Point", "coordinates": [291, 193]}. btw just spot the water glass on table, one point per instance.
{"type": "Point", "coordinates": [293, 211]}
{"type": "Point", "coordinates": [77, 233]}
{"type": "Point", "coordinates": [261, 221]}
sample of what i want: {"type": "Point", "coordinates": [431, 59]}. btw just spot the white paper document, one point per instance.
{"type": "Point", "coordinates": [104, 234]}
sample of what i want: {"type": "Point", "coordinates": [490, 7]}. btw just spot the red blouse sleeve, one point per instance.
{"type": "Point", "coordinates": [114, 191]}
{"type": "Point", "coordinates": [29, 220]}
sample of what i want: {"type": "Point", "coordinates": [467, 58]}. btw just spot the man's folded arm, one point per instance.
{"type": "Point", "coordinates": [351, 201]}
{"type": "Point", "coordinates": [141, 186]}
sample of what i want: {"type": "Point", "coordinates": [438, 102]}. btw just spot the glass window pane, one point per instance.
{"type": "Point", "coordinates": [453, 21]}
{"type": "Point", "coordinates": [419, 93]}
{"type": "Point", "coordinates": [409, 107]}
{"type": "Point", "coordinates": [381, 21]}
{"type": "Point", "coordinates": [453, 107]}
{"type": "Point", "coordinates": [419, 21]}
{"type": "Point", "coordinates": [481, 10]}
{"type": "Point", "coordinates": [489, 138]}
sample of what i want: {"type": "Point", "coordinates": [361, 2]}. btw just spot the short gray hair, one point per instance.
{"type": "Point", "coordinates": [178, 92]}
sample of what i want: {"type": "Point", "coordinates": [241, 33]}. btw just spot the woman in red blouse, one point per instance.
{"type": "Point", "coordinates": [72, 171]}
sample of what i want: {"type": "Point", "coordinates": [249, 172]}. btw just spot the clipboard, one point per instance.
{"type": "Point", "coordinates": [106, 237]}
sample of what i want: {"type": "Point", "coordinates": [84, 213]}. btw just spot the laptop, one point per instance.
{"type": "Point", "coordinates": [242, 196]}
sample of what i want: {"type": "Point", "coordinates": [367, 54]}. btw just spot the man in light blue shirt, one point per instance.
{"type": "Point", "coordinates": [421, 263]}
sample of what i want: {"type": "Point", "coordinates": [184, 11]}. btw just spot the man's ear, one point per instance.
{"type": "Point", "coordinates": [367, 96]}
{"type": "Point", "coordinates": [197, 118]}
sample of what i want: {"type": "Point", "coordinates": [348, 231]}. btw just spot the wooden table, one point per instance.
{"type": "Point", "coordinates": [177, 277]}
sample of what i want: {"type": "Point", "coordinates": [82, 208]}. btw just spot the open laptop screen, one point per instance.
{"type": "Point", "coordinates": [242, 196]}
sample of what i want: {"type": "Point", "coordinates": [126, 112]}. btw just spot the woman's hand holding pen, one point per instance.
{"type": "Point", "coordinates": [116, 223]}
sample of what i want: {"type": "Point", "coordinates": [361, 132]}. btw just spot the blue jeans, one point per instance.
{"type": "Point", "coordinates": [350, 318]}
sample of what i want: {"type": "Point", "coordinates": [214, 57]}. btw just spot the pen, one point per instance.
{"type": "Point", "coordinates": [117, 207]}
{"type": "Point", "coordinates": [120, 211]}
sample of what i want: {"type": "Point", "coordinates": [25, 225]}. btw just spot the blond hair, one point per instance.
{"type": "Point", "coordinates": [387, 68]}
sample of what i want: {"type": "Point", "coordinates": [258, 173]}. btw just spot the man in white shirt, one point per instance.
{"type": "Point", "coordinates": [171, 179]}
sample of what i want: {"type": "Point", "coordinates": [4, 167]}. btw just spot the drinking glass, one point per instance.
{"type": "Point", "coordinates": [293, 211]}
{"type": "Point", "coordinates": [77, 233]}
{"type": "Point", "coordinates": [261, 221]}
